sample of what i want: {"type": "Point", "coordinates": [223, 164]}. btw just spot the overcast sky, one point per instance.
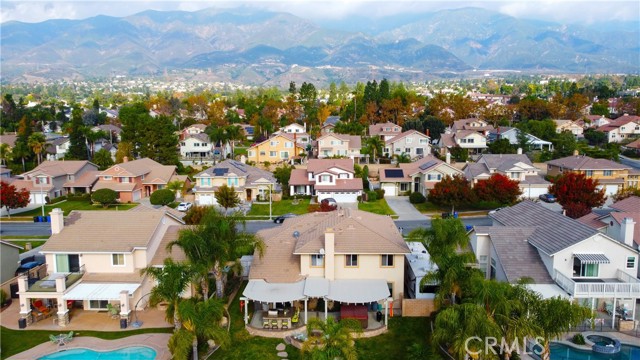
{"type": "Point", "coordinates": [563, 11]}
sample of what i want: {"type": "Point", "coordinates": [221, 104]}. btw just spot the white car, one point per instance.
{"type": "Point", "coordinates": [184, 206]}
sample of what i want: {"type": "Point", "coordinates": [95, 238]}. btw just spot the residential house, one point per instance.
{"type": "Point", "coordinates": [472, 124]}
{"type": "Point", "coordinates": [327, 178]}
{"type": "Point", "coordinates": [53, 179]}
{"type": "Point", "coordinates": [329, 125]}
{"type": "Point", "coordinates": [94, 259]}
{"type": "Point", "coordinates": [196, 146]}
{"type": "Point", "coordinates": [107, 145]}
{"type": "Point", "coordinates": [344, 256]}
{"type": "Point", "coordinates": [419, 176]}
{"type": "Point", "coordinates": [611, 175]}
{"type": "Point", "coordinates": [114, 132]}
{"type": "Point", "coordinates": [490, 99]}
{"type": "Point", "coordinates": [559, 255]}
{"type": "Point", "coordinates": [511, 133]}
{"type": "Point", "coordinates": [57, 148]}
{"type": "Point", "coordinates": [621, 129]}
{"type": "Point", "coordinates": [249, 182]}
{"type": "Point", "coordinates": [516, 167]}
{"type": "Point", "coordinates": [133, 180]}
{"type": "Point", "coordinates": [9, 139]}
{"type": "Point", "coordinates": [596, 121]}
{"type": "Point", "coordinates": [331, 144]}
{"type": "Point", "coordinates": [5, 172]}
{"type": "Point", "coordinates": [417, 265]}
{"type": "Point", "coordinates": [570, 126]}
{"type": "Point", "coordinates": [248, 131]}
{"type": "Point", "coordinates": [9, 260]}
{"type": "Point", "coordinates": [473, 141]}
{"type": "Point", "coordinates": [297, 132]}
{"type": "Point", "coordinates": [192, 130]}
{"type": "Point", "coordinates": [621, 221]}
{"type": "Point", "coordinates": [279, 148]}
{"type": "Point", "coordinates": [633, 146]}
{"type": "Point", "coordinates": [411, 142]}
{"type": "Point", "coordinates": [386, 130]}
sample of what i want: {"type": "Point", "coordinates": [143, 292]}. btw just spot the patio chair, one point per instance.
{"type": "Point", "coordinates": [274, 324]}
{"type": "Point", "coordinates": [69, 336]}
{"type": "Point", "coordinates": [285, 324]}
{"type": "Point", "coordinates": [266, 324]}
{"type": "Point", "coordinates": [296, 317]}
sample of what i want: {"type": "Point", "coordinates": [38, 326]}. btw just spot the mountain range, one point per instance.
{"type": "Point", "coordinates": [248, 46]}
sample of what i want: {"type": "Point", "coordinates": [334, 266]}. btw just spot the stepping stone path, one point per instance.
{"type": "Point", "coordinates": [283, 354]}
{"type": "Point", "coordinates": [280, 349]}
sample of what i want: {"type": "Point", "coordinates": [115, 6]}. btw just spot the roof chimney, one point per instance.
{"type": "Point", "coordinates": [125, 159]}
{"type": "Point", "coordinates": [627, 229]}
{"type": "Point", "coordinates": [519, 151]}
{"type": "Point", "coordinates": [329, 253]}
{"type": "Point", "coordinates": [448, 158]}
{"type": "Point", "coordinates": [576, 152]}
{"type": "Point", "coordinates": [57, 221]}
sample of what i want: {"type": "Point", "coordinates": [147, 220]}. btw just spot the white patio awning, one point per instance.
{"type": "Point", "coordinates": [594, 258]}
{"type": "Point", "coordinates": [99, 291]}
{"type": "Point", "coordinates": [261, 290]}
{"type": "Point", "coordinates": [358, 291]}
{"type": "Point", "coordinates": [316, 287]}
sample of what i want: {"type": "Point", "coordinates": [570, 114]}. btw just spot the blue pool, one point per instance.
{"type": "Point", "coordinates": [128, 353]}
{"type": "Point", "coordinates": [564, 352]}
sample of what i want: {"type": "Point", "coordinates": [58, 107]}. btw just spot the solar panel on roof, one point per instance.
{"type": "Point", "coordinates": [220, 171]}
{"type": "Point", "coordinates": [394, 173]}
{"type": "Point", "coordinates": [428, 164]}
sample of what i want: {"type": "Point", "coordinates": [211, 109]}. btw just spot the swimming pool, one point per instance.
{"type": "Point", "coordinates": [128, 353]}
{"type": "Point", "coordinates": [565, 352]}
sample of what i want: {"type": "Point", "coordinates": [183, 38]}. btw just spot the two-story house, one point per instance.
{"type": "Point", "coordinates": [511, 133]}
{"type": "Point", "coordinates": [196, 146]}
{"type": "Point", "coordinates": [133, 180]}
{"type": "Point", "coordinates": [113, 132]}
{"type": "Point", "coordinates": [386, 130]}
{"type": "Point", "coordinates": [249, 182]}
{"type": "Point", "coordinates": [94, 259]}
{"type": "Point", "coordinates": [621, 221]}
{"type": "Point", "coordinates": [57, 148]}
{"type": "Point", "coordinates": [419, 176]}
{"type": "Point", "coordinates": [472, 124]}
{"type": "Point", "coordinates": [344, 256]}
{"type": "Point", "coordinates": [516, 167]}
{"type": "Point", "coordinates": [327, 178]}
{"type": "Point", "coordinates": [623, 128]}
{"type": "Point", "coordinates": [411, 142]}
{"type": "Point", "coordinates": [570, 126]}
{"type": "Point", "coordinates": [558, 255]}
{"type": "Point", "coordinates": [298, 132]}
{"type": "Point", "coordinates": [191, 130]}
{"type": "Point", "coordinates": [56, 178]}
{"type": "Point", "coordinates": [596, 121]}
{"type": "Point", "coordinates": [611, 175]}
{"type": "Point", "coordinates": [329, 125]}
{"type": "Point", "coordinates": [473, 141]}
{"type": "Point", "coordinates": [332, 144]}
{"type": "Point", "coordinates": [282, 147]}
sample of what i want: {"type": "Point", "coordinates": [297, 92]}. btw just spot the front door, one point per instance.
{"type": "Point", "coordinates": [248, 194]}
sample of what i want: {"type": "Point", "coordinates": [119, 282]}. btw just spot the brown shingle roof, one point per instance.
{"type": "Point", "coordinates": [162, 253]}
{"type": "Point", "coordinates": [343, 185]}
{"type": "Point", "coordinates": [299, 177]}
{"type": "Point", "coordinates": [630, 204]}
{"type": "Point", "coordinates": [134, 277]}
{"type": "Point", "coordinates": [113, 185]}
{"type": "Point", "coordinates": [592, 220]}
{"type": "Point", "coordinates": [85, 180]}
{"type": "Point", "coordinates": [318, 165]}
{"type": "Point", "coordinates": [9, 139]}
{"type": "Point", "coordinates": [403, 135]}
{"type": "Point", "coordinates": [582, 162]}
{"type": "Point", "coordinates": [133, 168]}
{"type": "Point", "coordinates": [58, 168]}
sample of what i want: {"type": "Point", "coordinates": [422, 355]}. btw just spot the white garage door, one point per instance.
{"type": "Point", "coordinates": [37, 198]}
{"type": "Point", "coordinates": [533, 192]}
{"type": "Point", "coordinates": [206, 199]}
{"type": "Point", "coordinates": [136, 195]}
{"type": "Point", "coordinates": [339, 197]}
{"type": "Point", "coordinates": [609, 189]}
{"type": "Point", "coordinates": [389, 189]}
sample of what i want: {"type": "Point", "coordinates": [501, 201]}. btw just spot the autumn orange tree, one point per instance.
{"type": "Point", "coordinates": [498, 188]}
{"type": "Point", "coordinates": [12, 198]}
{"type": "Point", "coordinates": [577, 194]}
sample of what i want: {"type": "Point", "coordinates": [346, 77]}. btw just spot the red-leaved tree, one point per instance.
{"type": "Point", "coordinates": [577, 194]}
{"type": "Point", "coordinates": [498, 188]}
{"type": "Point", "coordinates": [11, 198]}
{"type": "Point", "coordinates": [452, 191]}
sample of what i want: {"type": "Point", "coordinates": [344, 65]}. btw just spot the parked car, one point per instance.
{"type": "Point", "coordinates": [547, 198]}
{"type": "Point", "coordinates": [280, 219]}
{"type": "Point", "coordinates": [184, 206]}
{"type": "Point", "coordinates": [495, 210]}
{"type": "Point", "coordinates": [330, 202]}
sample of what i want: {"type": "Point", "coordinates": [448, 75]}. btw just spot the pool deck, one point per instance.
{"type": "Point", "coordinates": [158, 342]}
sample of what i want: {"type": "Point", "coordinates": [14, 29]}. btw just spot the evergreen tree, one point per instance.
{"type": "Point", "coordinates": [159, 142]}
{"type": "Point", "coordinates": [134, 119]}
{"type": "Point", "coordinates": [384, 90]}
{"type": "Point", "coordinates": [78, 144]}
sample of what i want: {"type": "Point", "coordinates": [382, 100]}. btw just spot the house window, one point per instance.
{"type": "Point", "coordinates": [108, 178]}
{"type": "Point", "coordinates": [424, 141]}
{"type": "Point", "coordinates": [232, 181]}
{"type": "Point", "coordinates": [67, 263]}
{"type": "Point", "coordinates": [589, 173]}
{"type": "Point", "coordinates": [273, 153]}
{"type": "Point", "coordinates": [160, 187]}
{"type": "Point", "coordinates": [470, 141]}
{"type": "Point", "coordinates": [317, 260]}
{"type": "Point", "coordinates": [273, 143]}
{"type": "Point", "coordinates": [250, 153]}
{"type": "Point", "coordinates": [205, 144]}
{"type": "Point", "coordinates": [284, 154]}
{"type": "Point", "coordinates": [196, 144]}
{"type": "Point", "coordinates": [124, 180]}
{"type": "Point", "coordinates": [98, 304]}
{"type": "Point", "coordinates": [404, 187]}
{"type": "Point", "coordinates": [351, 260]}
{"type": "Point", "coordinates": [117, 259]}
{"type": "Point", "coordinates": [514, 175]}
{"type": "Point", "coordinates": [390, 286]}
{"type": "Point", "coordinates": [407, 150]}
{"type": "Point", "coordinates": [493, 269]}
{"type": "Point", "coordinates": [581, 269]}
{"type": "Point", "coordinates": [409, 140]}
{"type": "Point", "coordinates": [263, 153]}
{"type": "Point", "coordinates": [69, 177]}
{"type": "Point", "coordinates": [387, 260]}
{"type": "Point", "coordinates": [607, 172]}
{"type": "Point", "coordinates": [631, 262]}
{"type": "Point", "coordinates": [205, 182]}
{"type": "Point", "coordinates": [482, 261]}
{"type": "Point", "coordinates": [288, 145]}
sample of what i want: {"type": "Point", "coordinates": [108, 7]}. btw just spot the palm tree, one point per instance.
{"type": "Point", "coordinates": [234, 133]}
{"type": "Point", "coordinates": [37, 143]}
{"type": "Point", "coordinates": [172, 280]}
{"type": "Point", "coordinates": [200, 323]}
{"type": "Point", "coordinates": [5, 154]}
{"type": "Point", "coordinates": [403, 158]}
{"type": "Point", "coordinates": [374, 144]}
{"type": "Point", "coordinates": [176, 186]}
{"type": "Point", "coordinates": [93, 136]}
{"type": "Point", "coordinates": [331, 339]}
{"type": "Point", "coordinates": [214, 243]}
{"type": "Point", "coordinates": [103, 159]}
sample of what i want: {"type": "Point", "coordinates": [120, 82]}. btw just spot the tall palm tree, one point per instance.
{"type": "Point", "coordinates": [103, 159]}
{"type": "Point", "coordinates": [214, 243]}
{"type": "Point", "coordinates": [234, 133]}
{"type": "Point", "coordinates": [403, 158]}
{"type": "Point", "coordinates": [37, 143]}
{"type": "Point", "coordinates": [176, 186]}
{"type": "Point", "coordinates": [93, 136]}
{"type": "Point", "coordinates": [173, 278]}
{"type": "Point", "coordinates": [331, 339]}
{"type": "Point", "coordinates": [200, 323]}
{"type": "Point", "coordinates": [375, 145]}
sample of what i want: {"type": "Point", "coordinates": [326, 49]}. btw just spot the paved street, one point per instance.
{"type": "Point", "coordinates": [630, 162]}
{"type": "Point", "coordinates": [24, 229]}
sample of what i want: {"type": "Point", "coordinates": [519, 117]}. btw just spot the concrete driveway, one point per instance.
{"type": "Point", "coordinates": [405, 210]}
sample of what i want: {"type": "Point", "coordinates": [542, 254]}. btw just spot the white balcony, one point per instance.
{"type": "Point", "coordinates": [623, 286]}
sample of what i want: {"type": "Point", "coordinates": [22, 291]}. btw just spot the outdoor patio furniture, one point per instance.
{"type": "Point", "coordinates": [274, 324]}
{"type": "Point", "coordinates": [296, 317]}
{"type": "Point", "coordinates": [266, 324]}
{"type": "Point", "coordinates": [285, 324]}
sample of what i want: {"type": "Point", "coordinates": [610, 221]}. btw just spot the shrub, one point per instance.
{"type": "Point", "coordinates": [3, 297]}
{"type": "Point", "coordinates": [79, 197]}
{"type": "Point", "coordinates": [195, 215]}
{"type": "Point", "coordinates": [417, 198]}
{"type": "Point", "coordinates": [485, 205]}
{"type": "Point", "coordinates": [105, 197]}
{"type": "Point", "coordinates": [162, 197]}
{"type": "Point", "coordinates": [372, 196]}
{"type": "Point", "coordinates": [578, 339]}
{"type": "Point", "coordinates": [56, 200]}
{"type": "Point", "coordinates": [379, 193]}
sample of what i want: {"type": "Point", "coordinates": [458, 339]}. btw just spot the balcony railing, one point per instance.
{"type": "Point", "coordinates": [48, 284]}
{"type": "Point", "coordinates": [626, 285]}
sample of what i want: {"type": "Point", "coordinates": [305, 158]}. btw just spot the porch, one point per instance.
{"type": "Point", "coordinates": [622, 286]}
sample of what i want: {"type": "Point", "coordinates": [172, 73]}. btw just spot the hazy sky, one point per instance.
{"type": "Point", "coordinates": [564, 11]}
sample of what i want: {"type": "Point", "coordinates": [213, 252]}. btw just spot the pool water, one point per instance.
{"type": "Point", "coordinates": [600, 340]}
{"type": "Point", "coordinates": [128, 353]}
{"type": "Point", "coordinates": [564, 352]}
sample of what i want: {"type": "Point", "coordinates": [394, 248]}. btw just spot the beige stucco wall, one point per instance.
{"type": "Point", "coordinates": [254, 152]}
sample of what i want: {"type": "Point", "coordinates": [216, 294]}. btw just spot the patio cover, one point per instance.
{"type": "Point", "coordinates": [358, 291]}
{"type": "Point", "coordinates": [99, 291]}
{"type": "Point", "coordinates": [548, 290]}
{"type": "Point", "coordinates": [316, 287]}
{"type": "Point", "coordinates": [261, 290]}
{"type": "Point", "coordinates": [593, 258]}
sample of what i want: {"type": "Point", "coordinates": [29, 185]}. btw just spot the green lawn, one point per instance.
{"type": "Point", "coordinates": [279, 208]}
{"type": "Point", "coordinates": [17, 341]}
{"type": "Point", "coordinates": [427, 207]}
{"type": "Point", "coordinates": [67, 206]}
{"type": "Point", "coordinates": [377, 207]}
{"type": "Point", "coordinates": [21, 243]}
